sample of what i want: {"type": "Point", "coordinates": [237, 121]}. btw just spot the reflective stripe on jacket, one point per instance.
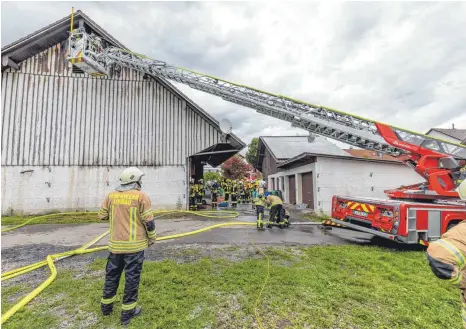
{"type": "Point", "coordinates": [127, 211]}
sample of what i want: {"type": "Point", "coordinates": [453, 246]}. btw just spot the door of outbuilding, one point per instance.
{"type": "Point", "coordinates": [307, 189]}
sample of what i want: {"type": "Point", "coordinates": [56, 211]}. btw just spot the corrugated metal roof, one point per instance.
{"type": "Point", "coordinates": [455, 133]}
{"type": "Point", "coordinates": [51, 35]}
{"type": "Point", "coordinates": [286, 147]}
{"type": "Point", "coordinates": [368, 154]}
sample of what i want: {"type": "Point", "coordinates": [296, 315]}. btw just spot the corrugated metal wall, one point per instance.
{"type": "Point", "coordinates": [54, 117]}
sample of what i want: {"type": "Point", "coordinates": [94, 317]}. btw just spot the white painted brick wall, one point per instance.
{"type": "Point", "coordinates": [83, 188]}
{"type": "Point", "coordinates": [349, 178]}
{"type": "Point", "coordinates": [357, 178]}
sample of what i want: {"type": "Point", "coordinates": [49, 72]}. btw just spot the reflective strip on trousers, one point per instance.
{"type": "Point", "coordinates": [107, 301]}
{"type": "Point", "coordinates": [128, 307]}
{"type": "Point", "coordinates": [453, 251]}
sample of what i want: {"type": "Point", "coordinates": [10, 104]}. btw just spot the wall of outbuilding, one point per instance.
{"type": "Point", "coordinates": [347, 177]}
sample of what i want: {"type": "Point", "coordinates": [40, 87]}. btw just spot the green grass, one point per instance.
{"type": "Point", "coordinates": [318, 287]}
{"type": "Point", "coordinates": [56, 219]}
{"type": "Point", "coordinates": [314, 217]}
{"type": "Point", "coordinates": [78, 218]}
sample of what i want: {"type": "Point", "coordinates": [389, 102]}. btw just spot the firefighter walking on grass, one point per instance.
{"type": "Point", "coordinates": [132, 230]}
{"type": "Point", "coordinates": [447, 256]}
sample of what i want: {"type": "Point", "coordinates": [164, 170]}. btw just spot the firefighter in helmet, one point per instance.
{"type": "Point", "coordinates": [447, 256]}
{"type": "Point", "coordinates": [276, 206]}
{"type": "Point", "coordinates": [132, 230]}
{"type": "Point", "coordinates": [192, 194]}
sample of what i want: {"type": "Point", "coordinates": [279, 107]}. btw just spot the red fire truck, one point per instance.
{"type": "Point", "coordinates": [418, 213]}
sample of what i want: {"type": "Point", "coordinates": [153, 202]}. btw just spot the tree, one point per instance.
{"type": "Point", "coordinates": [211, 176]}
{"type": "Point", "coordinates": [251, 155]}
{"type": "Point", "coordinates": [235, 168]}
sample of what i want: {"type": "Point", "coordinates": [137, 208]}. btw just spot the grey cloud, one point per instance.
{"type": "Point", "coordinates": [400, 86]}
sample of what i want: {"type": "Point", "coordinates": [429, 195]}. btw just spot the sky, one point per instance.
{"type": "Point", "coordinates": [403, 63]}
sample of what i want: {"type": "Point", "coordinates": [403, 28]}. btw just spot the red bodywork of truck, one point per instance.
{"type": "Point", "coordinates": [403, 221]}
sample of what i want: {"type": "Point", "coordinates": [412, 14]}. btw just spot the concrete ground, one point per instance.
{"type": "Point", "coordinates": [33, 243]}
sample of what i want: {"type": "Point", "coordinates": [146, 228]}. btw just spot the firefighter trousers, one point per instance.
{"type": "Point", "coordinates": [452, 272]}
{"type": "Point", "coordinates": [276, 214]}
{"type": "Point", "coordinates": [260, 211]}
{"type": "Point", "coordinates": [116, 263]}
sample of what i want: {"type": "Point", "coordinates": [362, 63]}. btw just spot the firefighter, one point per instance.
{"type": "Point", "coordinates": [259, 204]}
{"type": "Point", "coordinates": [227, 189]}
{"type": "Point", "coordinates": [241, 192]}
{"type": "Point", "coordinates": [447, 256]}
{"type": "Point", "coordinates": [200, 193]}
{"type": "Point", "coordinates": [234, 194]}
{"type": "Point", "coordinates": [132, 230]}
{"type": "Point", "coordinates": [192, 194]}
{"type": "Point", "coordinates": [276, 206]}
{"type": "Point", "coordinates": [214, 193]}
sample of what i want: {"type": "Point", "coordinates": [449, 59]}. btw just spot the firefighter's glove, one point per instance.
{"type": "Point", "coordinates": [151, 234]}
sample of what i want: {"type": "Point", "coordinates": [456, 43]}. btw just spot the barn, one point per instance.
{"type": "Point", "coordinates": [66, 136]}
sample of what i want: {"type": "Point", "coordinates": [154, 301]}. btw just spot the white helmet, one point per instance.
{"type": "Point", "coordinates": [131, 175]}
{"type": "Point", "coordinates": [462, 190]}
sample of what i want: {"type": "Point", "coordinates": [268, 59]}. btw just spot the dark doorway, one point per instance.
{"type": "Point", "coordinates": [308, 191]}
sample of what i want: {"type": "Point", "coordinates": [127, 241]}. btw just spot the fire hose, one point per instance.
{"type": "Point", "coordinates": [51, 259]}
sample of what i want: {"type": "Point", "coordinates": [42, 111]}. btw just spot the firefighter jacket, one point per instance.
{"type": "Point", "coordinates": [273, 200]}
{"type": "Point", "coordinates": [192, 190]}
{"type": "Point", "coordinates": [447, 255]}
{"type": "Point", "coordinates": [128, 213]}
{"type": "Point", "coordinates": [200, 190]}
{"type": "Point", "coordinates": [259, 201]}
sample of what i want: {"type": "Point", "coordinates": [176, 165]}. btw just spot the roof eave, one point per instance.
{"type": "Point", "coordinates": [60, 24]}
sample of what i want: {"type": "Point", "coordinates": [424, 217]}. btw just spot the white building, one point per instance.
{"type": "Point", "coordinates": [452, 135]}
{"type": "Point", "coordinates": [66, 136]}
{"type": "Point", "coordinates": [312, 172]}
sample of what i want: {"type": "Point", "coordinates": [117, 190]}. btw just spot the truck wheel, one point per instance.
{"type": "Point", "coordinates": [451, 225]}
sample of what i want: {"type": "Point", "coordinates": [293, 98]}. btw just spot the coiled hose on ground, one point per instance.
{"type": "Point", "coordinates": [51, 259]}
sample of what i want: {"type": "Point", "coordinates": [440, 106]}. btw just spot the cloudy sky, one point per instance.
{"type": "Point", "coordinates": [401, 63]}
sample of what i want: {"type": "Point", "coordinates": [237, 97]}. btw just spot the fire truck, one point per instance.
{"type": "Point", "coordinates": [410, 214]}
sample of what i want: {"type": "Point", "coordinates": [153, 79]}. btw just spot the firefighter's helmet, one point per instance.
{"type": "Point", "coordinates": [131, 175]}
{"type": "Point", "coordinates": [462, 190]}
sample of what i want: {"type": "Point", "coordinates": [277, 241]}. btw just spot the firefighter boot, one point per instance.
{"type": "Point", "coordinates": [106, 309]}
{"type": "Point", "coordinates": [126, 316]}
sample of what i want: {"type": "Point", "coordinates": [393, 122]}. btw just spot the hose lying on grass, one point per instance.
{"type": "Point", "coordinates": [51, 259]}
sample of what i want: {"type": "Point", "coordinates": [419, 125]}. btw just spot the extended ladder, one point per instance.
{"type": "Point", "coordinates": [88, 52]}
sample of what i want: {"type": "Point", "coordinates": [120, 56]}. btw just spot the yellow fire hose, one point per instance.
{"type": "Point", "coordinates": [83, 250]}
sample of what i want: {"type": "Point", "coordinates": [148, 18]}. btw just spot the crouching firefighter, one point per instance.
{"type": "Point", "coordinates": [132, 230]}
{"type": "Point", "coordinates": [276, 206]}
{"type": "Point", "coordinates": [447, 257]}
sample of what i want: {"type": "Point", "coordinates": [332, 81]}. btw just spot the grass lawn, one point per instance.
{"type": "Point", "coordinates": [345, 287]}
{"type": "Point", "coordinates": [78, 218]}
{"type": "Point", "coordinates": [55, 219]}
